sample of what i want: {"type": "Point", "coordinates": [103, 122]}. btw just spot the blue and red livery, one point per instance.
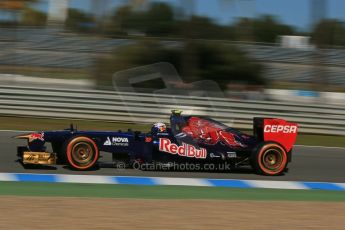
{"type": "Point", "coordinates": [189, 138]}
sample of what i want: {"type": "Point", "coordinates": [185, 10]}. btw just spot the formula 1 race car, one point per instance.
{"type": "Point", "coordinates": [189, 138]}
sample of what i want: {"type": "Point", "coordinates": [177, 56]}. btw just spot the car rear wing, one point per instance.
{"type": "Point", "coordinates": [276, 130]}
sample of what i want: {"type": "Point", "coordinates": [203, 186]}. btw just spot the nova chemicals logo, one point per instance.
{"type": "Point", "coordinates": [107, 142]}
{"type": "Point", "coordinates": [120, 139]}
{"type": "Point", "coordinates": [116, 141]}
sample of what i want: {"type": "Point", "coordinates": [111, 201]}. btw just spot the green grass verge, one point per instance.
{"type": "Point", "coordinates": [23, 123]}
{"type": "Point", "coordinates": [164, 192]}
{"type": "Point", "coordinates": [306, 86]}
{"type": "Point", "coordinates": [45, 72]}
{"type": "Point", "coordinates": [321, 140]}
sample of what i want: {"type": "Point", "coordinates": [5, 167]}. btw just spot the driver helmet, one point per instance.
{"type": "Point", "coordinates": [159, 128]}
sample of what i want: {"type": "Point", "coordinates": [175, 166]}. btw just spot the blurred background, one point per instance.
{"type": "Point", "coordinates": [240, 44]}
{"type": "Point", "coordinates": [261, 50]}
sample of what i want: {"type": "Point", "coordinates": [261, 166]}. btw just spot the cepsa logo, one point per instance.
{"type": "Point", "coordinates": [280, 129]}
{"type": "Point", "coordinates": [184, 150]}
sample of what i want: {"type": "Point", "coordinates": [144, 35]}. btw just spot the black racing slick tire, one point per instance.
{"type": "Point", "coordinates": [82, 153]}
{"type": "Point", "coordinates": [269, 159]}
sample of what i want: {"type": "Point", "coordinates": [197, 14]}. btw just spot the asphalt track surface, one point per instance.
{"type": "Point", "coordinates": [319, 164]}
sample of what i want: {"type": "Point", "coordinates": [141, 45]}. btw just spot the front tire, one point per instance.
{"type": "Point", "coordinates": [82, 153]}
{"type": "Point", "coordinates": [269, 159]}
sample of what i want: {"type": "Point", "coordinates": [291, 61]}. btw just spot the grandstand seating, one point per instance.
{"type": "Point", "coordinates": [54, 48]}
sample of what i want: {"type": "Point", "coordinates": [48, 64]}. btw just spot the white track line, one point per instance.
{"type": "Point", "coordinates": [181, 181]}
{"type": "Point", "coordinates": [276, 184]}
{"type": "Point", "coordinates": [7, 177]}
{"type": "Point", "coordinates": [93, 179]}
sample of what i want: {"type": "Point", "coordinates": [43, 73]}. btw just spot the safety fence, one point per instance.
{"type": "Point", "coordinates": [148, 108]}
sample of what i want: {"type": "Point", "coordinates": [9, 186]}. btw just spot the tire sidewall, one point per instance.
{"type": "Point", "coordinates": [69, 146]}
{"type": "Point", "coordinates": [257, 162]}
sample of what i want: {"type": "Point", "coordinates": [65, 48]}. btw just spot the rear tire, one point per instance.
{"type": "Point", "coordinates": [269, 159]}
{"type": "Point", "coordinates": [82, 153]}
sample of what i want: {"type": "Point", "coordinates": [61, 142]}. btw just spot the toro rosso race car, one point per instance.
{"type": "Point", "coordinates": [193, 139]}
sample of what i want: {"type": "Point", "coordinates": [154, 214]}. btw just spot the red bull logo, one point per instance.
{"type": "Point", "coordinates": [185, 150]}
{"type": "Point", "coordinates": [36, 136]}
